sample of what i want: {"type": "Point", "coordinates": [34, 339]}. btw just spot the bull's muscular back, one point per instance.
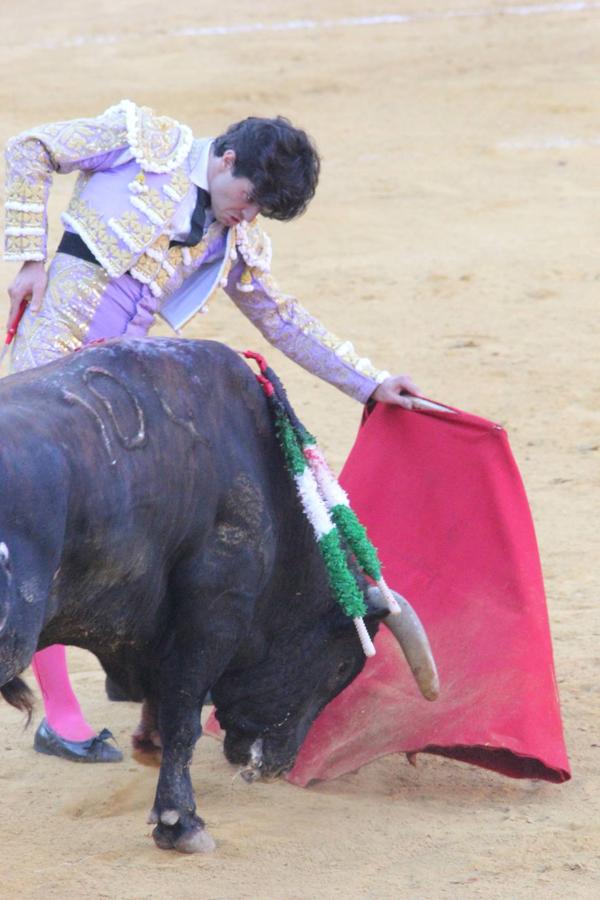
{"type": "Point", "coordinates": [137, 454]}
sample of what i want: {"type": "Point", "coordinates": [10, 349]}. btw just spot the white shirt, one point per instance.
{"type": "Point", "coordinates": [182, 220]}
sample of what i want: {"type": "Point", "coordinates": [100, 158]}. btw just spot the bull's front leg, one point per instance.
{"type": "Point", "coordinates": [174, 812]}
{"type": "Point", "coordinates": [213, 595]}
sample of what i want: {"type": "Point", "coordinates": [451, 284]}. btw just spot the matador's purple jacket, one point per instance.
{"type": "Point", "coordinates": [134, 173]}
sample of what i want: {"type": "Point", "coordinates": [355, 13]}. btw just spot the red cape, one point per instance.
{"type": "Point", "coordinates": [443, 501]}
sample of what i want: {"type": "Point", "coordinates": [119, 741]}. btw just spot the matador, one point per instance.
{"type": "Point", "coordinates": [158, 221]}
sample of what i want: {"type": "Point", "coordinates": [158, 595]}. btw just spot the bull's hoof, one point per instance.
{"type": "Point", "coordinates": [146, 745]}
{"type": "Point", "coordinates": [147, 755]}
{"type": "Point", "coordinates": [191, 839]}
{"type": "Point", "coordinates": [143, 739]}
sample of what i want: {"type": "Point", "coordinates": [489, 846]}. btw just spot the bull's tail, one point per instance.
{"type": "Point", "coordinates": [19, 695]}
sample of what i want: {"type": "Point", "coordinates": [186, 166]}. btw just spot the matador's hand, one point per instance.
{"type": "Point", "coordinates": [29, 284]}
{"type": "Point", "coordinates": [397, 389]}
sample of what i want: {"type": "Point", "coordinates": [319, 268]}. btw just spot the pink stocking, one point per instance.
{"type": "Point", "coordinates": [63, 712]}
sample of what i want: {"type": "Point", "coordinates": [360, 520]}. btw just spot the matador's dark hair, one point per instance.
{"type": "Point", "coordinates": [281, 162]}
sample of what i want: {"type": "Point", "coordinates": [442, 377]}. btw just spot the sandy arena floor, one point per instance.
{"type": "Point", "coordinates": [454, 236]}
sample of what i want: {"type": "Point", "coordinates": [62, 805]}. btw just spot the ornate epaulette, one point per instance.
{"type": "Point", "coordinates": [158, 143]}
{"type": "Point", "coordinates": [254, 246]}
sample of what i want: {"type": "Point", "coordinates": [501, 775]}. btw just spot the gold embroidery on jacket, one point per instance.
{"type": "Point", "coordinates": [145, 269]}
{"type": "Point", "coordinates": [24, 218]}
{"type": "Point", "coordinates": [158, 264]}
{"type": "Point", "coordinates": [288, 309]}
{"type": "Point", "coordinates": [254, 245]}
{"type": "Point", "coordinates": [22, 191]}
{"type": "Point", "coordinates": [23, 246]}
{"type": "Point", "coordinates": [156, 208]}
{"type": "Point", "coordinates": [71, 142]}
{"type": "Point", "coordinates": [33, 157]}
{"type": "Point", "coordinates": [246, 284]}
{"type": "Point", "coordinates": [178, 185]}
{"type": "Point", "coordinates": [149, 267]}
{"type": "Point", "coordinates": [135, 233]}
{"type": "Point", "coordinates": [159, 144]}
{"type": "Point", "coordinates": [104, 245]}
{"type": "Point", "coordinates": [82, 180]}
{"type": "Point", "coordinates": [174, 256]}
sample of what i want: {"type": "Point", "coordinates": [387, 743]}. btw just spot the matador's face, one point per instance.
{"type": "Point", "coordinates": [231, 197]}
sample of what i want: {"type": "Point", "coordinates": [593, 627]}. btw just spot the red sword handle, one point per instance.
{"type": "Point", "coordinates": [12, 328]}
{"type": "Point", "coordinates": [14, 324]}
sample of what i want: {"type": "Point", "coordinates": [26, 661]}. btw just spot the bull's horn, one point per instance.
{"type": "Point", "coordinates": [410, 634]}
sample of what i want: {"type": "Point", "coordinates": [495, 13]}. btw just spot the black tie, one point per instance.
{"type": "Point", "coordinates": [197, 223]}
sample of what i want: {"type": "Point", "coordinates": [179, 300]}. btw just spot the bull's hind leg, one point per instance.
{"type": "Point", "coordinates": [146, 737]}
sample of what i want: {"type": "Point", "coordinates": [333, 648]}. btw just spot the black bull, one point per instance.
{"type": "Point", "coordinates": [146, 516]}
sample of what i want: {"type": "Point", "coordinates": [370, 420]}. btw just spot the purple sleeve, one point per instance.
{"type": "Point", "coordinates": [291, 328]}
{"type": "Point", "coordinates": [34, 156]}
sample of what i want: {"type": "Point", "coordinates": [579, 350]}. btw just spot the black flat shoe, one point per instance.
{"type": "Point", "coordinates": [94, 750]}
